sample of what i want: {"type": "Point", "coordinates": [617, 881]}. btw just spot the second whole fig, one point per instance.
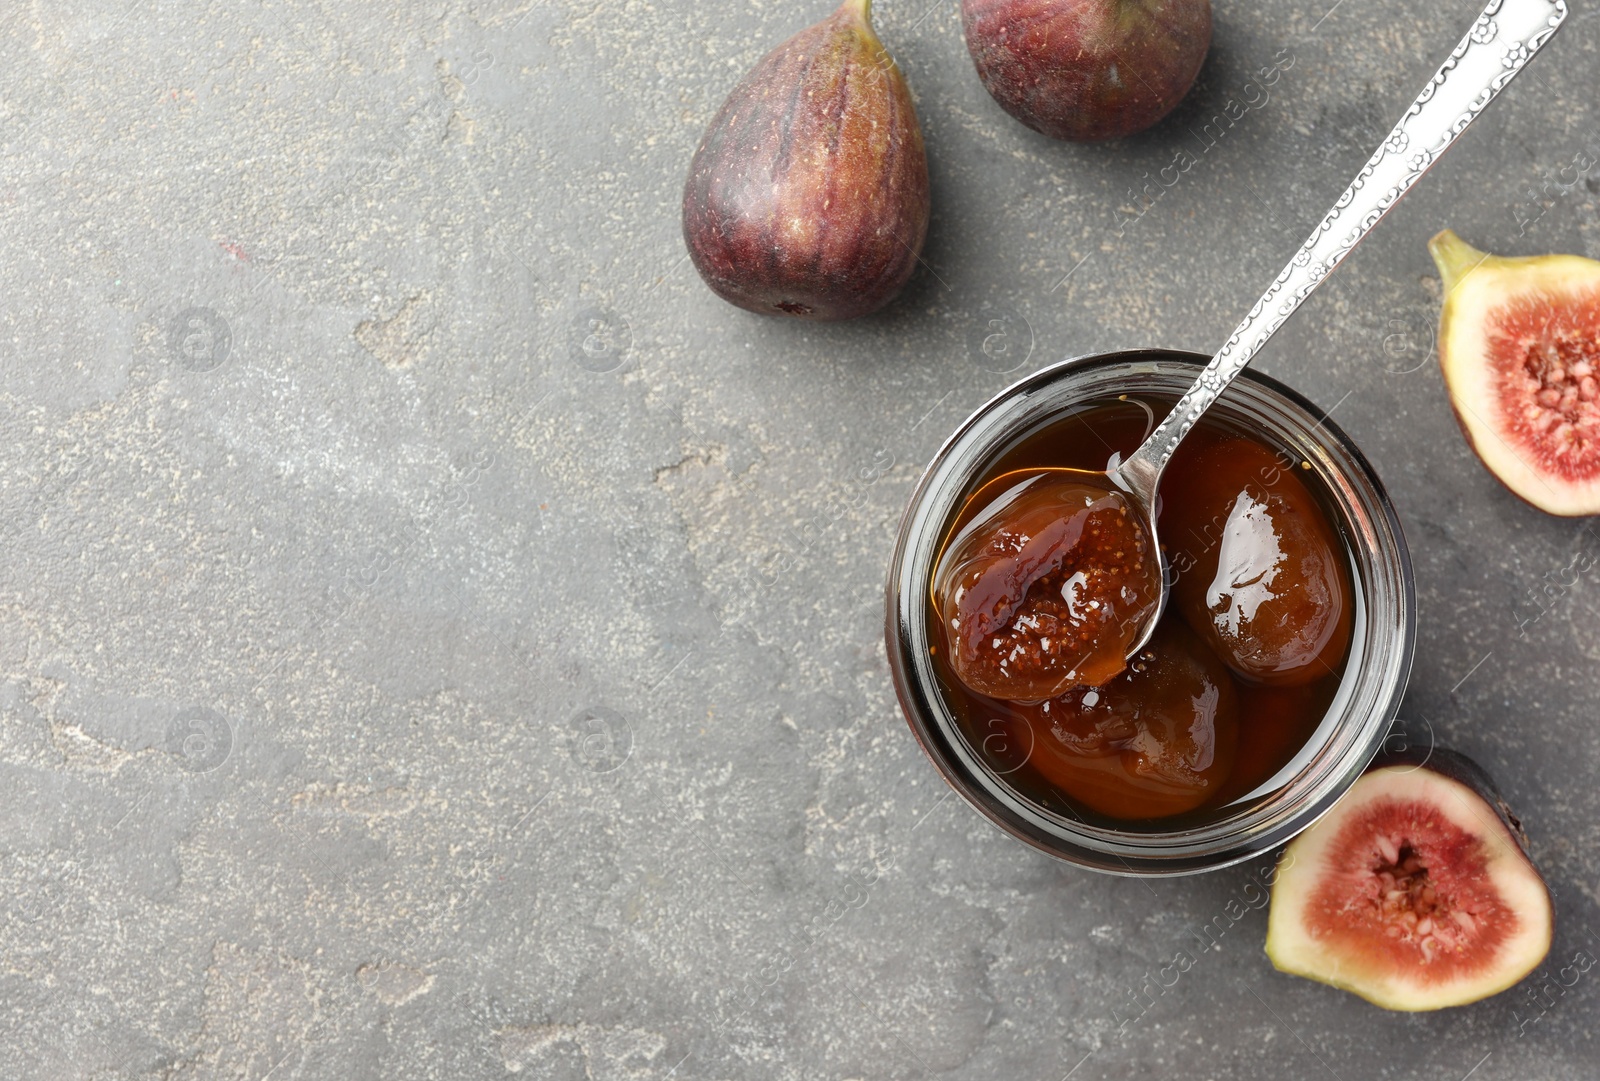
{"type": "Point", "coordinates": [1087, 69]}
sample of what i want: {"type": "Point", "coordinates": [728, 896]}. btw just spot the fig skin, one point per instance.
{"type": "Point", "coordinates": [1533, 419]}
{"type": "Point", "coordinates": [808, 196]}
{"type": "Point", "coordinates": [1087, 70]}
{"type": "Point", "coordinates": [1479, 853]}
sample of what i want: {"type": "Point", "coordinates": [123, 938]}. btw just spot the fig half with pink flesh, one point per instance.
{"type": "Point", "coordinates": [1415, 892]}
{"type": "Point", "coordinates": [1519, 341]}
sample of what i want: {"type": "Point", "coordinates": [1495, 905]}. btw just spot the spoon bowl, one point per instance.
{"type": "Point", "coordinates": [1045, 579]}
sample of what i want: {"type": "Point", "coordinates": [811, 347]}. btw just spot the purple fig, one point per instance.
{"type": "Point", "coordinates": [1087, 69]}
{"type": "Point", "coordinates": [809, 193]}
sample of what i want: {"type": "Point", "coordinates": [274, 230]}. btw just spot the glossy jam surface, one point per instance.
{"type": "Point", "coordinates": [1245, 661]}
{"type": "Point", "coordinates": [1258, 572]}
{"type": "Point", "coordinates": [1046, 587]}
{"type": "Point", "coordinates": [1154, 741]}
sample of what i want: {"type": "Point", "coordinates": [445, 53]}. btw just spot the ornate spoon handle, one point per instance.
{"type": "Point", "coordinates": [1505, 36]}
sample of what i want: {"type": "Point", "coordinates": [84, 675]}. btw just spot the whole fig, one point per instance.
{"type": "Point", "coordinates": [808, 195]}
{"type": "Point", "coordinates": [1087, 69]}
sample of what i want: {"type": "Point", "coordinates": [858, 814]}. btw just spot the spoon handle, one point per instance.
{"type": "Point", "coordinates": [1505, 36]}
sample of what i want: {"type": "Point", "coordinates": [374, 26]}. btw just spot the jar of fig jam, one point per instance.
{"type": "Point", "coordinates": [1276, 746]}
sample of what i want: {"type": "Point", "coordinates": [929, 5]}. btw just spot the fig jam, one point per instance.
{"type": "Point", "coordinates": [1246, 658]}
{"type": "Point", "coordinates": [1047, 587]}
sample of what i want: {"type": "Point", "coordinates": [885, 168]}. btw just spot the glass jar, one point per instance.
{"type": "Point", "coordinates": [1351, 731]}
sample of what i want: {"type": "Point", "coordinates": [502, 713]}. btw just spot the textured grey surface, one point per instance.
{"type": "Point", "coordinates": [439, 639]}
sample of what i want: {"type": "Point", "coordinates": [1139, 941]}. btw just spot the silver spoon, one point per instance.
{"type": "Point", "coordinates": [1497, 47]}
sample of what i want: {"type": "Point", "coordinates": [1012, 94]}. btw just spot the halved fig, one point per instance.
{"type": "Point", "coordinates": [1519, 341]}
{"type": "Point", "coordinates": [1416, 891]}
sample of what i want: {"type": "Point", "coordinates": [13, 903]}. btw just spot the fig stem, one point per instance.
{"type": "Point", "coordinates": [1454, 257]}
{"type": "Point", "coordinates": [861, 9]}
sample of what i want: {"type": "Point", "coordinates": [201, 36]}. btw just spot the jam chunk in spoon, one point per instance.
{"type": "Point", "coordinates": [1046, 586]}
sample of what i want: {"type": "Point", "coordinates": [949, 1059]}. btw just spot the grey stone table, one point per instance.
{"type": "Point", "coordinates": [442, 640]}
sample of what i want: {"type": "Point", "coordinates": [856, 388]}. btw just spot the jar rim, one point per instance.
{"type": "Point", "coordinates": [1357, 723]}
